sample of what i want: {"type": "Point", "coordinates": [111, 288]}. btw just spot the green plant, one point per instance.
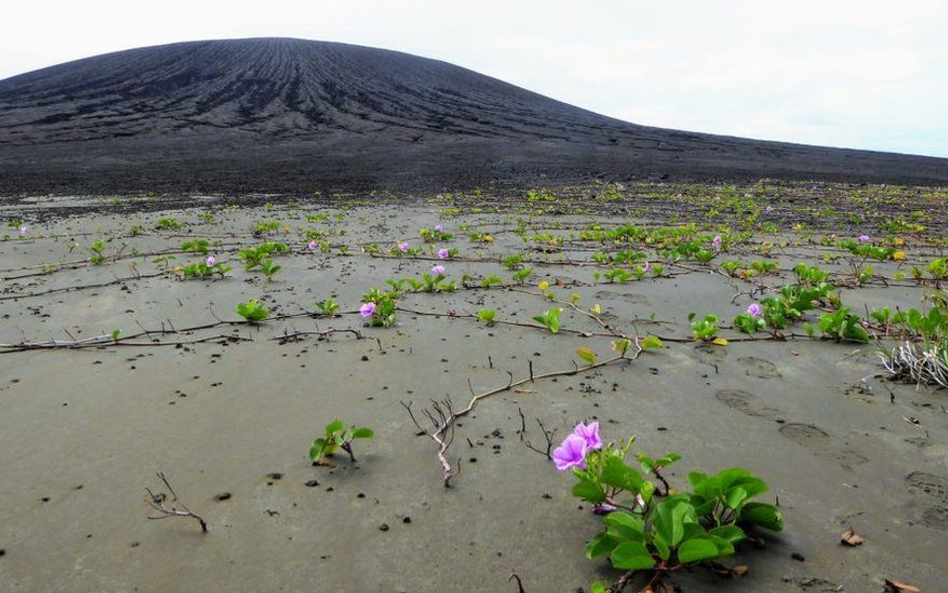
{"type": "Point", "coordinates": [252, 311]}
{"type": "Point", "coordinates": [550, 319]}
{"type": "Point", "coordinates": [487, 316]}
{"type": "Point", "coordinates": [328, 307]}
{"type": "Point", "coordinates": [202, 270]}
{"type": "Point", "coordinates": [168, 223]}
{"type": "Point", "coordinates": [269, 268]}
{"type": "Point", "coordinates": [512, 262]}
{"type": "Point", "coordinates": [522, 275]}
{"type": "Point", "coordinates": [336, 436]}
{"type": "Point", "coordinates": [705, 329]}
{"type": "Point", "coordinates": [196, 246]}
{"type": "Point", "coordinates": [843, 325]}
{"type": "Point", "coordinates": [491, 280]}
{"type": "Point", "coordinates": [648, 525]}
{"type": "Point", "coordinates": [98, 253]}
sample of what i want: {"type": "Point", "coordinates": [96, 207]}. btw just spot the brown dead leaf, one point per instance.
{"type": "Point", "coordinates": [850, 538]}
{"type": "Point", "coordinates": [900, 587]}
{"type": "Point", "coordinates": [524, 391]}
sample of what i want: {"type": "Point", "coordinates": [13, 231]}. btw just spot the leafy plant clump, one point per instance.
{"type": "Point", "coordinates": [252, 311]}
{"type": "Point", "coordinates": [336, 436]}
{"type": "Point", "coordinates": [650, 526]}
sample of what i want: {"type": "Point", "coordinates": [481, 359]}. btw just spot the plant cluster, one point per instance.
{"type": "Point", "coordinates": [337, 436]}
{"type": "Point", "coordinates": [655, 528]}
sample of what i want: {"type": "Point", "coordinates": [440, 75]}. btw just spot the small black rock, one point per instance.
{"type": "Point", "coordinates": [797, 556]}
{"type": "Point", "coordinates": [222, 496]}
{"type": "Point", "coordinates": [383, 527]}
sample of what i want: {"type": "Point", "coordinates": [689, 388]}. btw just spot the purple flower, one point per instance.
{"type": "Point", "coordinates": [716, 240]}
{"type": "Point", "coordinates": [647, 267]}
{"type": "Point", "coordinates": [572, 453]}
{"type": "Point", "coordinates": [367, 309]}
{"type": "Point", "coordinates": [403, 247]}
{"type": "Point", "coordinates": [443, 253]}
{"type": "Point", "coordinates": [603, 508]}
{"type": "Point", "coordinates": [439, 227]}
{"type": "Point", "coordinates": [590, 434]}
{"type": "Point", "coordinates": [23, 230]}
{"type": "Point", "coordinates": [437, 269]}
{"type": "Point", "coordinates": [753, 310]}
{"type": "Point", "coordinates": [312, 246]}
{"type": "Point", "coordinates": [863, 238]}
{"type": "Point", "coordinates": [211, 260]}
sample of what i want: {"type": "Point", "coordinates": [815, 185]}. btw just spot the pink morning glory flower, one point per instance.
{"type": "Point", "coordinates": [754, 310]}
{"type": "Point", "coordinates": [863, 238]}
{"type": "Point", "coordinates": [312, 246]}
{"type": "Point", "coordinates": [603, 508]}
{"type": "Point", "coordinates": [367, 309]}
{"type": "Point", "coordinates": [437, 269]}
{"type": "Point", "coordinates": [647, 267]}
{"type": "Point", "coordinates": [24, 230]}
{"type": "Point", "coordinates": [442, 253]}
{"type": "Point", "coordinates": [572, 453]}
{"type": "Point", "coordinates": [211, 260]}
{"type": "Point", "coordinates": [716, 240]}
{"type": "Point", "coordinates": [590, 434]}
{"type": "Point", "coordinates": [403, 247]}
{"type": "Point", "coordinates": [439, 227]}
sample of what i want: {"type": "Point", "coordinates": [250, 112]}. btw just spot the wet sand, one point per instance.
{"type": "Point", "coordinates": [85, 430]}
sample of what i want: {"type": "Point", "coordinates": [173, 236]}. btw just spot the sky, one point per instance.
{"type": "Point", "coordinates": [860, 74]}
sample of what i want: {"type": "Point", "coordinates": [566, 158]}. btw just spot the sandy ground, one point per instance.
{"type": "Point", "coordinates": [83, 431]}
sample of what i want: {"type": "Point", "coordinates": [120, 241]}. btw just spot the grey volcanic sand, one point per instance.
{"type": "Point", "coordinates": [290, 115]}
{"type": "Point", "coordinates": [82, 432]}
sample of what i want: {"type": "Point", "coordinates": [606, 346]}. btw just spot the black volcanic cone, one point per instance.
{"type": "Point", "coordinates": [293, 115]}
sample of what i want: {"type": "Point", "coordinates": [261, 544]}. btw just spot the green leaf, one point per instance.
{"type": "Point", "coordinates": [597, 588]}
{"type": "Point", "coordinates": [669, 519]}
{"type": "Point", "coordinates": [589, 490]}
{"type": "Point", "coordinates": [650, 342]}
{"type": "Point", "coordinates": [316, 451]}
{"type": "Point", "coordinates": [735, 497]}
{"type": "Point", "coordinates": [697, 549]}
{"type": "Point", "coordinates": [631, 556]}
{"type": "Point", "coordinates": [664, 552]}
{"type": "Point", "coordinates": [731, 533]}
{"type": "Point", "coordinates": [616, 473]}
{"type": "Point", "coordinates": [625, 526]}
{"type": "Point", "coordinates": [602, 543]}
{"type": "Point", "coordinates": [335, 426]}
{"type": "Point", "coordinates": [363, 433]}
{"type": "Point", "coordinates": [762, 514]}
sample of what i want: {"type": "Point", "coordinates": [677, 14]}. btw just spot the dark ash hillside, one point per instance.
{"type": "Point", "coordinates": [286, 115]}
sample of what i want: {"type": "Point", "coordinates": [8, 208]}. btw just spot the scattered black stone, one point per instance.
{"type": "Point", "coordinates": [797, 556]}
{"type": "Point", "coordinates": [365, 357]}
{"type": "Point", "coordinates": [135, 544]}
{"type": "Point", "coordinates": [222, 496]}
{"type": "Point", "coordinates": [406, 520]}
{"type": "Point", "coordinates": [384, 527]}
{"type": "Point", "coordinates": [312, 483]}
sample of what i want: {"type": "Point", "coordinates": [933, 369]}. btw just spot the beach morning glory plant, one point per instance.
{"type": "Point", "coordinates": [649, 526]}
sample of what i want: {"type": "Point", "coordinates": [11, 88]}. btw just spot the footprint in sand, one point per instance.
{"type": "Point", "coordinates": [745, 403]}
{"type": "Point", "coordinates": [821, 444]}
{"type": "Point", "coordinates": [936, 489]}
{"type": "Point", "coordinates": [758, 367]}
{"type": "Point", "coordinates": [710, 354]}
{"type": "Point", "coordinates": [631, 298]}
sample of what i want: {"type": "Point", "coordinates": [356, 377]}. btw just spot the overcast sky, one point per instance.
{"type": "Point", "coordinates": [853, 73]}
